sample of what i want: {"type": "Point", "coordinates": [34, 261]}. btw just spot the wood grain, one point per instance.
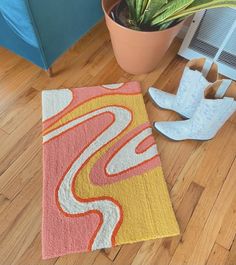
{"type": "Point", "coordinates": [200, 175]}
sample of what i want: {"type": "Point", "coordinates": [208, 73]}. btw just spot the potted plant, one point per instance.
{"type": "Point", "coordinates": [142, 30]}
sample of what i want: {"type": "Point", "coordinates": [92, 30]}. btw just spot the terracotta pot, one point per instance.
{"type": "Point", "coordinates": [137, 52]}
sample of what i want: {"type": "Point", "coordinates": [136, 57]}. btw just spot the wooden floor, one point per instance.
{"type": "Point", "coordinates": [201, 176]}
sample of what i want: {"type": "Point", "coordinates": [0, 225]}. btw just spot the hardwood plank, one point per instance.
{"type": "Point", "coordinates": [147, 252]}
{"type": "Point", "coordinates": [218, 255]}
{"type": "Point", "coordinates": [18, 111]}
{"type": "Point", "coordinates": [8, 60]}
{"type": "Point", "coordinates": [33, 255]}
{"type": "Point", "coordinates": [111, 253]}
{"type": "Point", "coordinates": [3, 135]}
{"type": "Point", "coordinates": [21, 137]}
{"type": "Point", "coordinates": [12, 148]}
{"type": "Point", "coordinates": [111, 72]}
{"type": "Point", "coordinates": [10, 215]}
{"type": "Point", "coordinates": [218, 155]}
{"type": "Point", "coordinates": [127, 254]}
{"type": "Point", "coordinates": [4, 202]}
{"type": "Point", "coordinates": [74, 259]}
{"type": "Point", "coordinates": [16, 82]}
{"type": "Point", "coordinates": [101, 259]}
{"type": "Point", "coordinates": [17, 239]}
{"type": "Point", "coordinates": [208, 198]}
{"type": "Point", "coordinates": [208, 236]}
{"type": "Point", "coordinates": [231, 260]}
{"type": "Point", "coordinates": [228, 229]}
{"type": "Point", "coordinates": [18, 165]}
{"type": "Point", "coordinates": [16, 182]}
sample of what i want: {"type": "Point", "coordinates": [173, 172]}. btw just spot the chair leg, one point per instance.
{"type": "Point", "coordinates": [49, 72]}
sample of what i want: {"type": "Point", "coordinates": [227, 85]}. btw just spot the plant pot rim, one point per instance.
{"type": "Point", "coordinates": [133, 30]}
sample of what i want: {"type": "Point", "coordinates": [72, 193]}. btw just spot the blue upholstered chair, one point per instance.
{"type": "Point", "coordinates": [41, 30]}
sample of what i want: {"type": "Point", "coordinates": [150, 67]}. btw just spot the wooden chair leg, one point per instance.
{"type": "Point", "coordinates": [49, 72]}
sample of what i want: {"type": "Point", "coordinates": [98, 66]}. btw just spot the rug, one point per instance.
{"type": "Point", "coordinates": [103, 183]}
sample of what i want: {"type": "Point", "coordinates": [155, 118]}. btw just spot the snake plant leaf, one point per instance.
{"type": "Point", "coordinates": [152, 9]}
{"type": "Point", "coordinates": [144, 5]}
{"type": "Point", "coordinates": [172, 8]}
{"type": "Point", "coordinates": [161, 13]}
{"type": "Point", "coordinates": [131, 7]}
{"type": "Point", "coordinates": [165, 25]}
{"type": "Point", "coordinates": [168, 24]}
{"type": "Point", "coordinates": [138, 7]}
{"type": "Point", "coordinates": [199, 5]}
{"type": "Point", "coordinates": [205, 3]}
{"type": "Point", "coordinates": [156, 13]}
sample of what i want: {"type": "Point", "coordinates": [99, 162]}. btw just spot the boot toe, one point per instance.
{"type": "Point", "coordinates": [172, 130]}
{"type": "Point", "coordinates": [162, 99]}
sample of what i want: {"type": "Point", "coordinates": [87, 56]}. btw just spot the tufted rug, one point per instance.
{"type": "Point", "coordinates": [102, 178]}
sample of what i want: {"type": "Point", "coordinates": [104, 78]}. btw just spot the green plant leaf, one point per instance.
{"type": "Point", "coordinates": [161, 13]}
{"type": "Point", "coordinates": [138, 8]}
{"type": "Point", "coordinates": [132, 19]}
{"type": "Point", "coordinates": [165, 25]}
{"type": "Point", "coordinates": [131, 7]}
{"type": "Point", "coordinates": [170, 9]}
{"type": "Point", "coordinates": [205, 3]}
{"type": "Point", "coordinates": [152, 8]}
{"type": "Point", "coordinates": [199, 5]}
{"type": "Point", "coordinates": [144, 5]}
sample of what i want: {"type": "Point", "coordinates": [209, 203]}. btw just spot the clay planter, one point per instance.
{"type": "Point", "coordinates": [137, 52]}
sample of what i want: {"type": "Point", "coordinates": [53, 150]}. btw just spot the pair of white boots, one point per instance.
{"type": "Point", "coordinates": [205, 102]}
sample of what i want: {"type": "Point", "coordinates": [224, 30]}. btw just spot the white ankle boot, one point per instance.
{"type": "Point", "coordinates": [209, 117]}
{"type": "Point", "coordinates": [190, 92]}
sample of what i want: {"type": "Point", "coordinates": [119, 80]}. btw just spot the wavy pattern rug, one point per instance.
{"type": "Point", "coordinates": [103, 183]}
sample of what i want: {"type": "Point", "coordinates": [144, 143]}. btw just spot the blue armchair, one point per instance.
{"type": "Point", "coordinates": [41, 30]}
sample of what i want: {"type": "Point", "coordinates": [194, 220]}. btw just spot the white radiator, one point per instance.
{"type": "Point", "coordinates": [212, 34]}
